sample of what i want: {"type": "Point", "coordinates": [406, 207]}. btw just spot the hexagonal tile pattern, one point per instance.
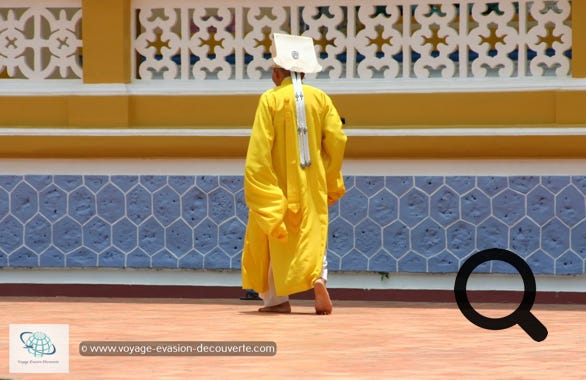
{"type": "Point", "coordinates": [384, 223]}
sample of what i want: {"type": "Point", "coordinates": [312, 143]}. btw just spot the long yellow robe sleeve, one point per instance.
{"type": "Point", "coordinates": [288, 205]}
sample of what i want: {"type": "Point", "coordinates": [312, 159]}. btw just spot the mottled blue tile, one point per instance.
{"type": "Point", "coordinates": [39, 182]}
{"type": "Point", "coordinates": [399, 185]}
{"type": "Point", "coordinates": [24, 202]}
{"type": "Point", "coordinates": [492, 234]}
{"type": "Point", "coordinates": [524, 237]}
{"type": "Point", "coordinates": [67, 234]}
{"type": "Point", "coordinates": [368, 239]}
{"type": "Point", "coordinates": [166, 205]}
{"type": "Point", "coordinates": [396, 239]}
{"type": "Point", "coordinates": [3, 259]}
{"type": "Point", "coordinates": [569, 263]}
{"type": "Point", "coordinates": [164, 259]}
{"type": "Point", "coordinates": [475, 206]}
{"type": "Point", "coordinates": [523, 184]}
{"type": "Point", "coordinates": [97, 234]}
{"type": "Point", "coordinates": [461, 184]}
{"type": "Point", "coordinates": [349, 182]}
{"type": "Point", "coordinates": [194, 206]}
{"type": "Point", "coordinates": [125, 235]}
{"type": "Point", "coordinates": [540, 205]}
{"type": "Point", "coordinates": [509, 206]}
{"type": "Point", "coordinates": [206, 236]}
{"type": "Point", "coordinates": [556, 183]}
{"type": "Point", "coordinates": [413, 263]}
{"type": "Point", "coordinates": [181, 183]}
{"type": "Point", "coordinates": [9, 182]}
{"type": "Point", "coordinates": [138, 205]}
{"type": "Point", "coordinates": [82, 204]}
{"type": "Point", "coordinates": [216, 259]}
{"type": "Point", "coordinates": [53, 202]}
{"type": "Point", "coordinates": [461, 238]}
{"type": "Point", "coordinates": [151, 236]}
{"type": "Point", "coordinates": [192, 260]}
{"type": "Point", "coordinates": [334, 261]}
{"type": "Point", "coordinates": [23, 257]}
{"type": "Point", "coordinates": [541, 263]}
{"type": "Point", "coordinates": [37, 234]}
{"type": "Point", "coordinates": [232, 183]}
{"type": "Point", "coordinates": [428, 184]}
{"type": "Point", "coordinates": [124, 182]}
{"type": "Point", "coordinates": [498, 266]}
{"type": "Point", "coordinates": [570, 206]}
{"type": "Point", "coordinates": [207, 183]}
{"type": "Point", "coordinates": [241, 208]}
{"type": "Point", "coordinates": [580, 183]}
{"type": "Point", "coordinates": [111, 258]}
{"type": "Point", "coordinates": [491, 185]}
{"type": "Point", "coordinates": [81, 257]}
{"type": "Point", "coordinates": [354, 261]}
{"type": "Point", "coordinates": [4, 203]}
{"type": "Point", "coordinates": [341, 236]}
{"type": "Point", "coordinates": [153, 182]}
{"type": "Point", "coordinates": [382, 261]}
{"type": "Point", "coordinates": [179, 238]}
{"type": "Point", "coordinates": [555, 238]}
{"type": "Point", "coordinates": [11, 234]}
{"type": "Point", "coordinates": [383, 207]}
{"type": "Point", "coordinates": [236, 261]}
{"type": "Point", "coordinates": [428, 238]}
{"type": "Point", "coordinates": [95, 182]}
{"type": "Point", "coordinates": [413, 207]}
{"type": "Point", "coordinates": [110, 203]}
{"type": "Point", "coordinates": [222, 205]}
{"type": "Point", "coordinates": [68, 182]}
{"type": "Point", "coordinates": [52, 257]}
{"type": "Point", "coordinates": [370, 185]}
{"type": "Point", "coordinates": [231, 238]}
{"type": "Point", "coordinates": [353, 206]}
{"type": "Point", "coordinates": [444, 262]}
{"type": "Point", "coordinates": [445, 206]}
{"type": "Point", "coordinates": [138, 259]}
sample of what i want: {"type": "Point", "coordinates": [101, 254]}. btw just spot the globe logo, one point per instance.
{"type": "Point", "coordinates": [37, 343]}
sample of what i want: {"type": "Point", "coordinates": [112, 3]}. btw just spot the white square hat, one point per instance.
{"type": "Point", "coordinates": [295, 53]}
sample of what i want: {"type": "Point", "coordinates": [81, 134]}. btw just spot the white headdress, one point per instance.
{"type": "Point", "coordinates": [297, 54]}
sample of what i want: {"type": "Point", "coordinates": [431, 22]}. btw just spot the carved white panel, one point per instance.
{"type": "Point", "coordinates": [376, 40]}
{"type": "Point", "coordinates": [40, 40]}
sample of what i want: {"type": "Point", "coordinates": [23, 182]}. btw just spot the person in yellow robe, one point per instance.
{"type": "Point", "coordinates": [292, 174]}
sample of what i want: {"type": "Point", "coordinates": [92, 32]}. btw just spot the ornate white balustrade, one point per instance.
{"type": "Point", "coordinates": [370, 39]}
{"type": "Point", "coordinates": [40, 39]}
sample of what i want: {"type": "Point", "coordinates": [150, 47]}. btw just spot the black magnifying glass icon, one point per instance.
{"type": "Point", "coordinates": [522, 316]}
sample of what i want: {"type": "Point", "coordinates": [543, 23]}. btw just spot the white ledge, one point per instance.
{"type": "Point", "coordinates": [15, 87]}
{"type": "Point", "coordinates": [245, 132]}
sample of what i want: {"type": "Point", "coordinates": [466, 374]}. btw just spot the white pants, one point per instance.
{"type": "Point", "coordinates": [270, 297]}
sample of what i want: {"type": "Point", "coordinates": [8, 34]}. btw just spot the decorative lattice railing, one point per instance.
{"type": "Point", "coordinates": [40, 39]}
{"type": "Point", "coordinates": [230, 40]}
{"type": "Point", "coordinates": [370, 39]}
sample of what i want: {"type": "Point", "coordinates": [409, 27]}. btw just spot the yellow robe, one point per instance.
{"type": "Point", "coordinates": [288, 205]}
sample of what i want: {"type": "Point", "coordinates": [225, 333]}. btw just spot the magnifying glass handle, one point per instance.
{"type": "Point", "coordinates": [533, 327]}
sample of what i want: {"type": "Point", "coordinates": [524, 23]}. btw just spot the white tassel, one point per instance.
{"type": "Point", "coordinates": [304, 156]}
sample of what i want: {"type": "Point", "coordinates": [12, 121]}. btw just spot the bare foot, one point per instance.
{"type": "Point", "coordinates": [284, 307]}
{"type": "Point", "coordinates": [323, 303]}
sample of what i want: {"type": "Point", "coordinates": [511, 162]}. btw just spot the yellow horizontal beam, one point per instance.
{"type": "Point", "coordinates": [548, 107]}
{"type": "Point", "coordinates": [436, 146]}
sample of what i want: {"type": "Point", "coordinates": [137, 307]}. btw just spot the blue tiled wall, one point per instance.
{"type": "Point", "coordinates": [383, 224]}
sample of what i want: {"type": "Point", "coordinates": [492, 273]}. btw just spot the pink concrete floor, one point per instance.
{"type": "Point", "coordinates": [360, 340]}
